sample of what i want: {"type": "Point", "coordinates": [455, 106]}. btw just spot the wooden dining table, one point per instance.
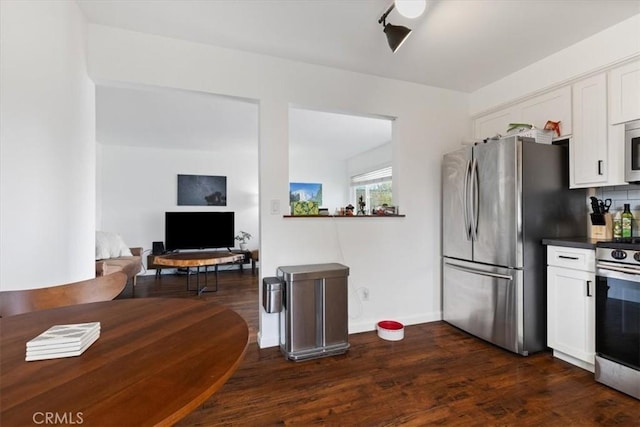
{"type": "Point", "coordinates": [157, 359]}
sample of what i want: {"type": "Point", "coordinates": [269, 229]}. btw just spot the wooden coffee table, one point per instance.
{"type": "Point", "coordinates": [198, 259]}
{"type": "Point", "coordinates": [157, 359]}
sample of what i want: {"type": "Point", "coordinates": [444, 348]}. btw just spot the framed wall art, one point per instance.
{"type": "Point", "coordinates": [305, 192]}
{"type": "Point", "coordinates": [202, 190]}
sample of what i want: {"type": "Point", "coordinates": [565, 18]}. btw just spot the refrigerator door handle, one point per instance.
{"type": "Point", "coordinates": [480, 272]}
{"type": "Point", "coordinates": [475, 201]}
{"type": "Point", "coordinates": [467, 224]}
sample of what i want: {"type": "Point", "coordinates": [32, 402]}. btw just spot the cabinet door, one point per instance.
{"type": "Point", "coordinates": [555, 106]}
{"type": "Point", "coordinates": [570, 312]}
{"type": "Point", "coordinates": [624, 93]}
{"type": "Point", "coordinates": [588, 149]}
{"type": "Point", "coordinates": [491, 124]}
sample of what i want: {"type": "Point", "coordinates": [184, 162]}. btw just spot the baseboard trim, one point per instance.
{"type": "Point", "coordinates": [370, 325]}
{"type": "Point", "coordinates": [356, 328]}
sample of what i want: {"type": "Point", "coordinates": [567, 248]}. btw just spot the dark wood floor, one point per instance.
{"type": "Point", "coordinates": [437, 375]}
{"type": "Point", "coordinates": [237, 290]}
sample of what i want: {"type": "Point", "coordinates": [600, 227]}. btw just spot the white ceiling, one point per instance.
{"type": "Point", "coordinates": [457, 44]}
{"type": "Point", "coordinates": [343, 136]}
{"type": "Point", "coordinates": [164, 118]}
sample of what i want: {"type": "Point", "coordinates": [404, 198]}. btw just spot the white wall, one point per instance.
{"type": "Point", "coordinates": [47, 108]}
{"type": "Point", "coordinates": [138, 185]}
{"type": "Point", "coordinates": [319, 166]}
{"type": "Point", "coordinates": [397, 259]}
{"type": "Point", "coordinates": [617, 43]}
{"type": "Point", "coordinates": [316, 164]}
{"type": "Point", "coordinates": [47, 146]}
{"type": "Point", "coordinates": [370, 160]}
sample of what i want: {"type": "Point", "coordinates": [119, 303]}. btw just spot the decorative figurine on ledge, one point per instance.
{"type": "Point", "coordinates": [361, 205]}
{"type": "Point", "coordinates": [348, 210]}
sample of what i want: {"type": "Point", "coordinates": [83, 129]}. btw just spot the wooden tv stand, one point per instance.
{"type": "Point", "coordinates": [249, 256]}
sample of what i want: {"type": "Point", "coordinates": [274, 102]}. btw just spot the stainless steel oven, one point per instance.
{"type": "Point", "coordinates": [617, 314]}
{"type": "Point", "coordinates": [632, 151]}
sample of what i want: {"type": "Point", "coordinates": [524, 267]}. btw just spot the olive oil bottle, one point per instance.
{"type": "Point", "coordinates": [617, 226]}
{"type": "Point", "coordinates": [627, 221]}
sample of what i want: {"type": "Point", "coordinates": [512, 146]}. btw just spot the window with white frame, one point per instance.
{"type": "Point", "coordinates": [374, 187]}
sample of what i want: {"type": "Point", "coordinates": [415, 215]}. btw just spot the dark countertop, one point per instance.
{"type": "Point", "coordinates": [571, 242]}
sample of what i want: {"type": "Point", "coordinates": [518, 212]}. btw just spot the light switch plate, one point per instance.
{"type": "Point", "coordinates": [275, 207]}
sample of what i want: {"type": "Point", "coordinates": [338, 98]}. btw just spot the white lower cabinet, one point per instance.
{"type": "Point", "coordinates": [571, 305]}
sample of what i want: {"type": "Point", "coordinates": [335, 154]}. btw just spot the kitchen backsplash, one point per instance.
{"type": "Point", "coordinates": [620, 195]}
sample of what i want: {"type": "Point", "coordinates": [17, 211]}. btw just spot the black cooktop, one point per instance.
{"type": "Point", "coordinates": [629, 244]}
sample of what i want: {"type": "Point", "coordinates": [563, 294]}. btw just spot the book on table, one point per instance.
{"type": "Point", "coordinates": [63, 341]}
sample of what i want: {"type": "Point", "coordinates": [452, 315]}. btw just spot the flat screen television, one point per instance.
{"type": "Point", "coordinates": [198, 230]}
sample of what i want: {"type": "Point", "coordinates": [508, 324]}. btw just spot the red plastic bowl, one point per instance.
{"type": "Point", "coordinates": [390, 324]}
{"type": "Point", "coordinates": [390, 330]}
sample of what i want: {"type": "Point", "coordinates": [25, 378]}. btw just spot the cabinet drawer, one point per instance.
{"type": "Point", "coordinates": [575, 258]}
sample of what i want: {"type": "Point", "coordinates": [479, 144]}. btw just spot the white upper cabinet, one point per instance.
{"type": "Point", "coordinates": [554, 106]}
{"type": "Point", "coordinates": [592, 111]}
{"type": "Point", "coordinates": [588, 150]}
{"type": "Point", "coordinates": [624, 93]}
{"type": "Point", "coordinates": [495, 123]}
{"type": "Point", "coordinates": [595, 154]}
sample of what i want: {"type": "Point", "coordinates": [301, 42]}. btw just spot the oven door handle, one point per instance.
{"type": "Point", "coordinates": [607, 269]}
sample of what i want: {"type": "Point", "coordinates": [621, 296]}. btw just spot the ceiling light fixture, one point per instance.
{"type": "Point", "coordinates": [396, 34]}
{"type": "Point", "coordinates": [411, 8]}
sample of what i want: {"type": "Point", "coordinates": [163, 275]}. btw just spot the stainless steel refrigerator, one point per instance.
{"type": "Point", "coordinates": [499, 200]}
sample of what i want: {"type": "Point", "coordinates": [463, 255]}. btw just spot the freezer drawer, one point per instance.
{"type": "Point", "coordinates": [484, 301]}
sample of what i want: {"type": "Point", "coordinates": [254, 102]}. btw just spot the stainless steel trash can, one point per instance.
{"type": "Point", "coordinates": [272, 294]}
{"type": "Point", "coordinates": [314, 316]}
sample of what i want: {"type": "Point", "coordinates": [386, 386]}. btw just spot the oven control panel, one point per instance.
{"type": "Point", "coordinates": [619, 254]}
{"type": "Point", "coordinates": [624, 256]}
